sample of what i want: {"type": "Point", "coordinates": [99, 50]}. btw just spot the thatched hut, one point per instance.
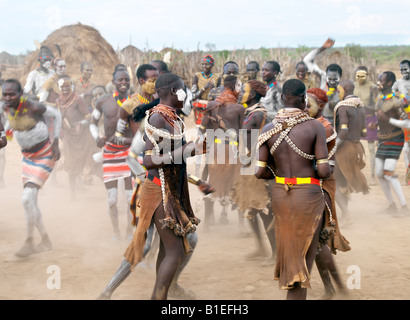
{"type": "Point", "coordinates": [79, 43]}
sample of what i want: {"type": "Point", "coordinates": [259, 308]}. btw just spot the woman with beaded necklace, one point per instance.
{"type": "Point", "coordinates": [164, 194]}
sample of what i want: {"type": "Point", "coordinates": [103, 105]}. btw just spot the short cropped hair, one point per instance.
{"type": "Point", "coordinates": [335, 68]}
{"type": "Point", "coordinates": [230, 81]}
{"type": "Point", "coordinates": [293, 87]}
{"type": "Point", "coordinates": [390, 76]}
{"type": "Point", "coordinates": [275, 65]}
{"type": "Point", "coordinates": [142, 70]}
{"type": "Point", "coordinates": [405, 61]}
{"type": "Point", "coordinates": [163, 66]}
{"type": "Point", "coordinates": [167, 81]}
{"type": "Point", "coordinates": [255, 63]}
{"type": "Point", "coordinates": [16, 82]}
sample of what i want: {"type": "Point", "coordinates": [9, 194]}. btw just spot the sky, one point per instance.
{"type": "Point", "coordinates": [220, 24]}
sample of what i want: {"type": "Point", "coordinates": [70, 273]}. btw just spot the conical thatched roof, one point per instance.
{"type": "Point", "coordinates": [79, 43]}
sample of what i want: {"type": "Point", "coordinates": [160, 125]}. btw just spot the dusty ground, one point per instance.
{"type": "Point", "coordinates": [219, 269]}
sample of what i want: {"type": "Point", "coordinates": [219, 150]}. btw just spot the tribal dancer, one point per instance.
{"type": "Point", "coordinates": [249, 193]}
{"type": "Point", "coordinates": [147, 75]}
{"type": "Point", "coordinates": [333, 89]}
{"type": "Point", "coordinates": [302, 73]}
{"type": "Point", "coordinates": [115, 147]}
{"type": "Point", "coordinates": [50, 90]}
{"type": "Point", "coordinates": [28, 120]}
{"type": "Point", "coordinates": [390, 109]}
{"type": "Point", "coordinates": [331, 239]}
{"type": "Point", "coordinates": [36, 78]}
{"type": "Point", "coordinates": [84, 85]}
{"type": "Point", "coordinates": [225, 117]}
{"type": "Point", "coordinates": [164, 196]}
{"type": "Point", "coordinates": [202, 83]}
{"type": "Point", "coordinates": [292, 150]}
{"type": "Point", "coordinates": [272, 101]}
{"type": "Point", "coordinates": [350, 125]}
{"type": "Point", "coordinates": [367, 92]}
{"type": "Point", "coordinates": [312, 66]}
{"type": "Point", "coordinates": [77, 140]}
{"type": "Point", "coordinates": [403, 86]}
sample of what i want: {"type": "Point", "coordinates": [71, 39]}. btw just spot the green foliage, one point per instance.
{"type": "Point", "coordinates": [355, 51]}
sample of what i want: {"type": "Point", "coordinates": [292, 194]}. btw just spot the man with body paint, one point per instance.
{"type": "Point", "coordinates": [367, 92]}
{"type": "Point", "coordinates": [29, 121]}
{"type": "Point", "coordinates": [333, 90]}
{"type": "Point", "coordinates": [147, 75]}
{"type": "Point", "coordinates": [390, 111]}
{"type": "Point", "coordinates": [115, 147]}
{"type": "Point", "coordinates": [50, 90]}
{"type": "Point", "coordinates": [77, 140]}
{"type": "Point", "coordinates": [272, 101]}
{"type": "Point", "coordinates": [311, 64]}
{"type": "Point", "coordinates": [403, 86]}
{"type": "Point", "coordinates": [36, 78]}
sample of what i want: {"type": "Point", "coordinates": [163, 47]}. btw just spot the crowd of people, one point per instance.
{"type": "Point", "coordinates": [287, 153]}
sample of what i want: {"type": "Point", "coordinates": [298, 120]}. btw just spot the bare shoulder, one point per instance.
{"type": "Point", "coordinates": [267, 127]}
{"type": "Point", "coordinates": [157, 120]}
{"type": "Point", "coordinates": [101, 101]}
{"type": "Point", "coordinates": [36, 107]}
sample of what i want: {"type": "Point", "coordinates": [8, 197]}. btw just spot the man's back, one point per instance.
{"type": "Point", "coordinates": [232, 115]}
{"type": "Point", "coordinates": [356, 121]}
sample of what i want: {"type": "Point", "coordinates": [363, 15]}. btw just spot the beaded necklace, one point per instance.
{"type": "Point", "coordinates": [273, 84]}
{"type": "Point", "coordinates": [388, 97]}
{"type": "Point", "coordinates": [330, 92]}
{"type": "Point", "coordinates": [22, 104]}
{"type": "Point", "coordinates": [203, 74]}
{"type": "Point", "coordinates": [118, 100]}
{"type": "Point", "coordinates": [153, 132]}
{"type": "Point", "coordinates": [142, 99]}
{"type": "Point", "coordinates": [86, 85]}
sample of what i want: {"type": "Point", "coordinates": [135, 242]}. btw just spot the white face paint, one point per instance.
{"type": "Point", "coordinates": [47, 64]}
{"type": "Point", "coordinates": [60, 83]}
{"type": "Point", "coordinates": [181, 95]}
{"type": "Point", "coordinates": [238, 86]}
{"type": "Point", "coordinates": [333, 79]}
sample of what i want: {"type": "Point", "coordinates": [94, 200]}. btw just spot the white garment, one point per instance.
{"type": "Point", "coordinates": [35, 81]}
